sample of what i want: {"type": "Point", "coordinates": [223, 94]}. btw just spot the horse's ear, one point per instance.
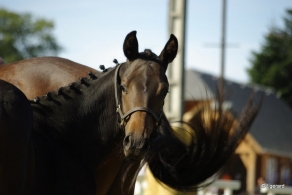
{"type": "Point", "coordinates": [170, 50]}
{"type": "Point", "coordinates": [130, 47]}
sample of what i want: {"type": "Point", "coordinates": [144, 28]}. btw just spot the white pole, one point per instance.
{"type": "Point", "coordinates": [174, 105]}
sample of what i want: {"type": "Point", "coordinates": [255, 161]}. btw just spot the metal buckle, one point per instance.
{"type": "Point", "coordinates": [118, 108]}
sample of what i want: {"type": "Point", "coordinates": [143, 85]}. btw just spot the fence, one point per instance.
{"type": "Point", "coordinates": [283, 191]}
{"type": "Point", "coordinates": [227, 186]}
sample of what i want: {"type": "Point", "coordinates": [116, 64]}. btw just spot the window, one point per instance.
{"type": "Point", "coordinates": [285, 175]}
{"type": "Point", "coordinates": [271, 170]}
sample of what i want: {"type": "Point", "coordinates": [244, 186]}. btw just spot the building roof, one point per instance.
{"type": "Point", "coordinates": [272, 128]}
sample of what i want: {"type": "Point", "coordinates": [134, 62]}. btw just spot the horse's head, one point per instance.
{"type": "Point", "coordinates": [143, 86]}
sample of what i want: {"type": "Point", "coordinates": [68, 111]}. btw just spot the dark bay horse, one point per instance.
{"type": "Point", "coordinates": [49, 74]}
{"type": "Point", "coordinates": [75, 134]}
{"type": "Point", "coordinates": [75, 128]}
{"type": "Point", "coordinates": [37, 76]}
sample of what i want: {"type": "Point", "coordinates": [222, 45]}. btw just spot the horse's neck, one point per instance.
{"type": "Point", "coordinates": [82, 115]}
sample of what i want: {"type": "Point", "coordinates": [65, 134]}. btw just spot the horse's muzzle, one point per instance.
{"type": "Point", "coordinates": [135, 148]}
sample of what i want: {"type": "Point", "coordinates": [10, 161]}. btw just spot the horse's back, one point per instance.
{"type": "Point", "coordinates": [15, 135]}
{"type": "Point", "coordinates": [37, 76]}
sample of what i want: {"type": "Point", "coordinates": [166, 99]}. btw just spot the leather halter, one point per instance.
{"type": "Point", "coordinates": [130, 112]}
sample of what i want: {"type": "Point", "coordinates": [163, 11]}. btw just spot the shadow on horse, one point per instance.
{"type": "Point", "coordinates": [93, 135]}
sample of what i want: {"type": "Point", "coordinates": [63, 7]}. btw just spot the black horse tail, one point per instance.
{"type": "Point", "coordinates": [187, 166]}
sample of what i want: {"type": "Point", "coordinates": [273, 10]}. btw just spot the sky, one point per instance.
{"type": "Point", "coordinates": [92, 31]}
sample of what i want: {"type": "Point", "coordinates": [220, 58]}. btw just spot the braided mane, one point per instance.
{"type": "Point", "coordinates": [66, 91]}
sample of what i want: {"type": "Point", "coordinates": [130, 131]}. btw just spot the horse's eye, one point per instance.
{"type": "Point", "coordinates": [123, 88]}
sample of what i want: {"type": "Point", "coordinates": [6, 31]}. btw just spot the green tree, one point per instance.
{"type": "Point", "coordinates": [272, 65]}
{"type": "Point", "coordinates": [24, 36]}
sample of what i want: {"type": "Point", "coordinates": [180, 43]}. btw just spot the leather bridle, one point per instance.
{"type": "Point", "coordinates": [122, 116]}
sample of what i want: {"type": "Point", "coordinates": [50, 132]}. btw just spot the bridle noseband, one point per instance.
{"type": "Point", "coordinates": [130, 112]}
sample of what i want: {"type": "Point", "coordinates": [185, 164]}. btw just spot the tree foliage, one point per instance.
{"type": "Point", "coordinates": [24, 36]}
{"type": "Point", "coordinates": [272, 65]}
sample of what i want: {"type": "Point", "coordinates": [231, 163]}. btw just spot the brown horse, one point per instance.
{"type": "Point", "coordinates": [64, 72]}
{"type": "Point", "coordinates": [51, 73]}
{"type": "Point", "coordinates": [78, 147]}
{"type": "Point", "coordinates": [139, 87]}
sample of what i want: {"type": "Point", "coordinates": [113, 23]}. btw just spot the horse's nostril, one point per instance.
{"type": "Point", "coordinates": [127, 142]}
